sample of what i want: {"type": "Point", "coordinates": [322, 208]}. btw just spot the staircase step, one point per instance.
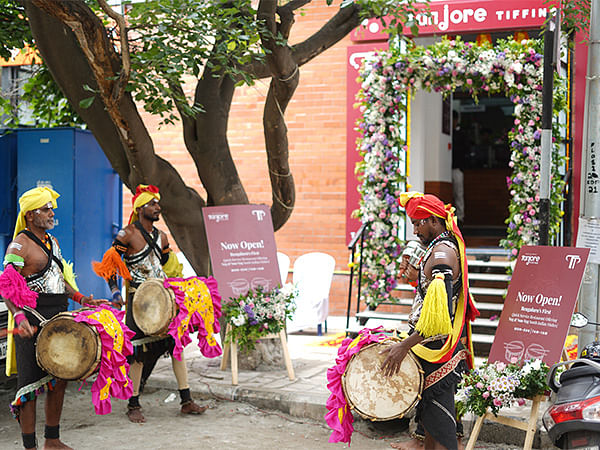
{"type": "Point", "coordinates": [476, 338]}
{"type": "Point", "coordinates": [489, 277]}
{"type": "Point", "coordinates": [480, 263]}
{"type": "Point", "coordinates": [481, 322]}
{"type": "Point", "coordinates": [481, 306]}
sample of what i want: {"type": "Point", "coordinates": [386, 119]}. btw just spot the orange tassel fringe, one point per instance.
{"type": "Point", "coordinates": [111, 265]}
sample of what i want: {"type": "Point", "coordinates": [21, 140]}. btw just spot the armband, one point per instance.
{"type": "Point", "coordinates": [119, 246]}
{"type": "Point", "coordinates": [19, 317]}
{"type": "Point", "coordinates": [15, 260]}
{"type": "Point", "coordinates": [164, 257]}
{"type": "Point", "coordinates": [77, 297]}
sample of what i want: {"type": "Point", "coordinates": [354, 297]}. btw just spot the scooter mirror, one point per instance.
{"type": "Point", "coordinates": [579, 320]}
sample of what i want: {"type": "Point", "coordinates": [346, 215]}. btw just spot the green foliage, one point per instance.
{"type": "Point", "coordinates": [14, 29]}
{"type": "Point", "coordinates": [258, 313]}
{"type": "Point", "coordinates": [575, 15]}
{"type": "Point", "coordinates": [44, 97]}
{"type": "Point", "coordinates": [173, 40]}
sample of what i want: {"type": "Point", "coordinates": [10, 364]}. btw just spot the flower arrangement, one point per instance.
{"type": "Point", "coordinates": [494, 386]}
{"type": "Point", "coordinates": [258, 313]}
{"type": "Point", "coordinates": [387, 78]}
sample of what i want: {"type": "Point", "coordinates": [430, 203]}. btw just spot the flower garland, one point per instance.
{"type": "Point", "coordinates": [510, 67]}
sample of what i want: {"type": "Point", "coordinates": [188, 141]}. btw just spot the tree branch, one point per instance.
{"type": "Point", "coordinates": [125, 60]}
{"type": "Point", "coordinates": [331, 33]}
{"type": "Point", "coordinates": [284, 81]}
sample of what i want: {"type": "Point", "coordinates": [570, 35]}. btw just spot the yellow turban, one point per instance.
{"type": "Point", "coordinates": [33, 199]}
{"type": "Point", "coordinates": [144, 193]}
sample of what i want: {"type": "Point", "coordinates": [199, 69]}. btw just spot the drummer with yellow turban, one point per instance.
{"type": "Point", "coordinates": [36, 283]}
{"type": "Point", "coordinates": [440, 330]}
{"type": "Point", "coordinates": [140, 252]}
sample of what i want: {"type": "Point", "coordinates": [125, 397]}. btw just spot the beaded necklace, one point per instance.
{"type": "Point", "coordinates": [432, 244]}
{"type": "Point", "coordinates": [45, 241]}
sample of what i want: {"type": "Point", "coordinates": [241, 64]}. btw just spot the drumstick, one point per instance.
{"type": "Point", "coordinates": [5, 331]}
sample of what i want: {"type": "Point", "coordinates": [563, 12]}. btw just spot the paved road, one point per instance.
{"type": "Point", "coordinates": [226, 425]}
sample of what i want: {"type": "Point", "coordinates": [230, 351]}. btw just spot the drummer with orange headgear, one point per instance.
{"type": "Point", "coordinates": [440, 331]}
{"type": "Point", "coordinates": [140, 252]}
{"type": "Point", "coordinates": [36, 280]}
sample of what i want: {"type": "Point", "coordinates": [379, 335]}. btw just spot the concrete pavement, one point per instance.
{"type": "Point", "coordinates": [307, 394]}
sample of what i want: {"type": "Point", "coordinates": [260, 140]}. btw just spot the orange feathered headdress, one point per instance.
{"type": "Point", "coordinates": [144, 193]}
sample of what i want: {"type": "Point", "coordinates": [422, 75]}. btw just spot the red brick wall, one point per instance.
{"type": "Point", "coordinates": [316, 120]}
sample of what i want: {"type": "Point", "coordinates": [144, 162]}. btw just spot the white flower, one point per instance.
{"type": "Point", "coordinates": [239, 320]}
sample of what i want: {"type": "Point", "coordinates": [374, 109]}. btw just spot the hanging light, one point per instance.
{"type": "Point", "coordinates": [482, 38]}
{"type": "Point", "coordinates": [521, 36]}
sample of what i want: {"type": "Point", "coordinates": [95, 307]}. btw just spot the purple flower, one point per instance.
{"type": "Point", "coordinates": [537, 134]}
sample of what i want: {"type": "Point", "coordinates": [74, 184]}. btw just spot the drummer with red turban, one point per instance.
{"type": "Point", "coordinates": [440, 330]}
{"type": "Point", "coordinates": [140, 252]}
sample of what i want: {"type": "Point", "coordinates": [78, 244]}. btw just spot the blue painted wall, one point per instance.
{"type": "Point", "coordinates": [89, 209]}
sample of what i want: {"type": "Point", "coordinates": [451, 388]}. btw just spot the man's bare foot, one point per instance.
{"type": "Point", "coordinates": [192, 408]}
{"type": "Point", "coordinates": [135, 415]}
{"type": "Point", "coordinates": [413, 444]}
{"type": "Point", "coordinates": [56, 443]}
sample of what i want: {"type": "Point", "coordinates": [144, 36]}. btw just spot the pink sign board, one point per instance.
{"type": "Point", "coordinates": [242, 249]}
{"type": "Point", "coordinates": [540, 302]}
{"type": "Point", "coordinates": [466, 16]}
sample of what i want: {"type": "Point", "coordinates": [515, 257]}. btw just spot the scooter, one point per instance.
{"type": "Point", "coordinates": [573, 420]}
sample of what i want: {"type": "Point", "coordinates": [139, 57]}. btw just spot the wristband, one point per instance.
{"type": "Point", "coordinates": [116, 296]}
{"type": "Point", "coordinates": [19, 317]}
{"type": "Point", "coordinates": [78, 296]}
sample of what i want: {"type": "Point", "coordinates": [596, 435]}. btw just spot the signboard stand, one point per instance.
{"type": "Point", "coordinates": [535, 319]}
{"type": "Point", "coordinates": [529, 426]}
{"type": "Point", "coordinates": [234, 361]}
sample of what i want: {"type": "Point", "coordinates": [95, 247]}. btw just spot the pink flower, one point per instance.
{"type": "Point", "coordinates": [497, 402]}
{"type": "Point", "coordinates": [479, 385]}
{"type": "Point", "coordinates": [469, 81]}
{"type": "Point", "coordinates": [514, 360]}
{"type": "Point", "coordinates": [486, 394]}
{"type": "Point", "coordinates": [521, 401]}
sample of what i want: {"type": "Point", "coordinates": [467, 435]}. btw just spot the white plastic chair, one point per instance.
{"type": "Point", "coordinates": [283, 261]}
{"type": "Point", "coordinates": [313, 273]}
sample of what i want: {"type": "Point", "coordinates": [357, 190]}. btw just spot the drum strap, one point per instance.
{"type": "Point", "coordinates": [49, 252]}
{"type": "Point", "coordinates": [152, 240]}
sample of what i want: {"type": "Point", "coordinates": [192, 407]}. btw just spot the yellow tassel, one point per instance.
{"type": "Point", "coordinates": [173, 268]}
{"type": "Point", "coordinates": [435, 318]}
{"type": "Point", "coordinates": [69, 274]}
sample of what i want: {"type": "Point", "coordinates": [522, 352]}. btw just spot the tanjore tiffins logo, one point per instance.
{"type": "Point", "coordinates": [530, 259]}
{"type": "Point", "coordinates": [218, 217]}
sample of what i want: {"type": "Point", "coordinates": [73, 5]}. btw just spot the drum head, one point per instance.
{"type": "Point", "coordinates": [153, 307]}
{"type": "Point", "coordinates": [375, 396]}
{"type": "Point", "coordinates": [67, 349]}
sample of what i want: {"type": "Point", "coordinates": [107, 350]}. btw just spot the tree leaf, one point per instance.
{"type": "Point", "coordinates": [86, 102]}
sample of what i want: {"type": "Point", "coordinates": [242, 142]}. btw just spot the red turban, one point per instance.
{"type": "Point", "coordinates": [143, 194]}
{"type": "Point", "coordinates": [421, 206]}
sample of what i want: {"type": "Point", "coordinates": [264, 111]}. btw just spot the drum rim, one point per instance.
{"type": "Point", "coordinates": [412, 405]}
{"type": "Point", "coordinates": [173, 310]}
{"type": "Point", "coordinates": [92, 367]}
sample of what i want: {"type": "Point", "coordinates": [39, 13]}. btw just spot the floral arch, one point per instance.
{"type": "Point", "coordinates": [510, 68]}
